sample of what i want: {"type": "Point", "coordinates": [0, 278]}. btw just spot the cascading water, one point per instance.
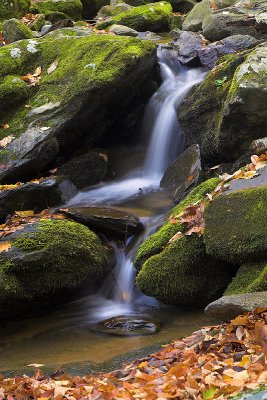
{"type": "Point", "coordinates": [118, 296]}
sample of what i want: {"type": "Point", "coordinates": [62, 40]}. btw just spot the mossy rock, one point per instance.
{"type": "Point", "coordinates": [235, 229]}
{"type": "Point", "coordinates": [110, 11]}
{"type": "Point", "coordinates": [155, 244]}
{"type": "Point", "coordinates": [251, 277]}
{"type": "Point", "coordinates": [72, 8]}
{"type": "Point", "coordinates": [47, 263]}
{"type": "Point", "coordinates": [201, 112]}
{"type": "Point", "coordinates": [14, 30]}
{"type": "Point", "coordinates": [183, 274]}
{"type": "Point", "coordinates": [150, 17]}
{"type": "Point", "coordinates": [62, 110]}
{"type": "Point", "coordinates": [14, 8]}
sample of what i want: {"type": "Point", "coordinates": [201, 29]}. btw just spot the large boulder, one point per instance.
{"type": "Point", "coordinates": [61, 110]}
{"type": "Point", "coordinates": [150, 17]}
{"type": "Point", "coordinates": [14, 29]}
{"type": "Point", "coordinates": [72, 8]}
{"type": "Point", "coordinates": [250, 277]}
{"type": "Point", "coordinates": [227, 111]}
{"type": "Point", "coordinates": [179, 271]}
{"type": "Point", "coordinates": [112, 10]}
{"type": "Point", "coordinates": [229, 307]}
{"type": "Point", "coordinates": [14, 8]}
{"type": "Point", "coordinates": [194, 19]}
{"type": "Point", "coordinates": [46, 263]}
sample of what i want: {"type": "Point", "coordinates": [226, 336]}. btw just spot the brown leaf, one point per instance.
{"type": "Point", "coordinates": [4, 246]}
{"type": "Point", "coordinates": [8, 139]}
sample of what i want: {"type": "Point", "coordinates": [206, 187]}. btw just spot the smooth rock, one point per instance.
{"type": "Point", "coordinates": [229, 307]}
{"type": "Point", "coordinates": [110, 221]}
{"type": "Point", "coordinates": [183, 174]}
{"type": "Point", "coordinates": [123, 30]}
{"type": "Point", "coordinates": [127, 326]}
{"type": "Point", "coordinates": [30, 196]}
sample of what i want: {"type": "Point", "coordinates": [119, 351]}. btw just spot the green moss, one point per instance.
{"type": "Point", "coordinates": [183, 274]}
{"type": "Point", "coordinates": [249, 278]}
{"type": "Point", "coordinates": [14, 30]}
{"type": "Point", "coordinates": [14, 8]}
{"type": "Point", "coordinates": [72, 8]}
{"type": "Point", "coordinates": [155, 243]}
{"type": "Point", "coordinates": [49, 258]}
{"type": "Point", "coordinates": [13, 91]}
{"type": "Point", "coordinates": [235, 230]}
{"type": "Point", "coordinates": [153, 17]}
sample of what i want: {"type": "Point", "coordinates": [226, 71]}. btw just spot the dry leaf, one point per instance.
{"type": "Point", "coordinates": [52, 67]}
{"type": "Point", "coordinates": [8, 139]}
{"type": "Point", "coordinates": [4, 246]}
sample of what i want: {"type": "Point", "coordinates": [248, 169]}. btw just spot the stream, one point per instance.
{"type": "Point", "coordinates": [65, 336]}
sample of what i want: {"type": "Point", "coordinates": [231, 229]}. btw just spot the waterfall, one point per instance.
{"type": "Point", "coordinates": [118, 295]}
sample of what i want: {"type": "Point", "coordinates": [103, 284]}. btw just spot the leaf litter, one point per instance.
{"type": "Point", "coordinates": [216, 362]}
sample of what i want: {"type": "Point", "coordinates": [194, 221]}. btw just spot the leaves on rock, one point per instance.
{"type": "Point", "coordinates": [52, 67]}
{"type": "Point", "coordinates": [4, 142]}
{"type": "Point", "coordinates": [33, 79]}
{"type": "Point", "coordinates": [4, 246]}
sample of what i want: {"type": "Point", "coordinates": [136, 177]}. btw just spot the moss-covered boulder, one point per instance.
{"type": "Point", "coordinates": [14, 8]}
{"type": "Point", "coordinates": [13, 29]}
{"type": "Point", "coordinates": [181, 272]}
{"type": "Point", "coordinates": [150, 17]}
{"type": "Point", "coordinates": [47, 263]}
{"type": "Point", "coordinates": [235, 228]}
{"type": "Point", "coordinates": [87, 83]}
{"type": "Point", "coordinates": [218, 113]}
{"type": "Point", "coordinates": [72, 8]}
{"type": "Point", "coordinates": [110, 11]}
{"type": "Point", "coordinates": [251, 277]}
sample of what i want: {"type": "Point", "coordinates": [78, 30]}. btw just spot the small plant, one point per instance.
{"type": "Point", "coordinates": [221, 82]}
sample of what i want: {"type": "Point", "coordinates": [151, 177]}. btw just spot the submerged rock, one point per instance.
{"type": "Point", "coordinates": [229, 307]}
{"type": "Point", "coordinates": [127, 326]}
{"type": "Point", "coordinates": [46, 264]}
{"type": "Point", "coordinates": [150, 17]}
{"type": "Point", "coordinates": [14, 29]}
{"type": "Point", "coordinates": [35, 196]}
{"type": "Point", "coordinates": [183, 174]}
{"type": "Point", "coordinates": [110, 221]}
{"type": "Point", "coordinates": [109, 68]}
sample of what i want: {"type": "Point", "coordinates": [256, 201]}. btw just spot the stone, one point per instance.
{"type": "Point", "coordinates": [109, 10]}
{"type": "Point", "coordinates": [259, 146]}
{"type": "Point", "coordinates": [30, 196]}
{"type": "Point", "coordinates": [194, 19]}
{"type": "Point", "coordinates": [64, 23]}
{"type": "Point", "coordinates": [176, 21]}
{"type": "Point", "coordinates": [37, 23]}
{"type": "Point", "coordinates": [250, 277]}
{"type": "Point", "coordinates": [150, 17]}
{"type": "Point", "coordinates": [122, 30]}
{"type": "Point", "coordinates": [14, 30]}
{"type": "Point", "coordinates": [85, 170]}
{"type": "Point", "coordinates": [48, 263]}
{"type": "Point", "coordinates": [110, 221]}
{"type": "Point", "coordinates": [188, 44]}
{"type": "Point", "coordinates": [55, 16]}
{"type": "Point", "coordinates": [13, 9]}
{"type": "Point", "coordinates": [183, 6]}
{"type": "Point", "coordinates": [87, 67]}
{"type": "Point", "coordinates": [127, 326]}
{"type": "Point", "coordinates": [229, 307]}
{"type": "Point", "coordinates": [72, 8]}
{"type": "Point", "coordinates": [183, 174]}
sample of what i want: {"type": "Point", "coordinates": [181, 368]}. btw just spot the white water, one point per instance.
{"type": "Point", "coordinates": [118, 296]}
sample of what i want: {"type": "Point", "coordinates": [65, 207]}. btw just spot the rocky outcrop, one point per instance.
{"type": "Point", "coordinates": [153, 17]}
{"type": "Point", "coordinates": [183, 174]}
{"type": "Point", "coordinates": [46, 263]}
{"type": "Point", "coordinates": [110, 221]}
{"type": "Point", "coordinates": [112, 69]}
{"type": "Point", "coordinates": [229, 307]}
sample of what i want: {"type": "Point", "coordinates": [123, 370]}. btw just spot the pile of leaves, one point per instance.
{"type": "Point", "coordinates": [215, 362]}
{"type": "Point", "coordinates": [193, 215]}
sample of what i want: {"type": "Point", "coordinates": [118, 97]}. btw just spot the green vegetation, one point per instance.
{"type": "Point", "coordinates": [14, 8]}
{"type": "Point", "coordinates": [72, 8]}
{"type": "Point", "coordinates": [249, 278]}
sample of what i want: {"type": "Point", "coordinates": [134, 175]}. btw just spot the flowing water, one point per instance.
{"type": "Point", "coordinates": [63, 330]}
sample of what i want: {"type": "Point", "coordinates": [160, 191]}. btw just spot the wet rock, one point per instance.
{"type": "Point", "coordinates": [110, 221]}
{"type": "Point", "coordinates": [85, 170]}
{"type": "Point", "coordinates": [229, 307]}
{"type": "Point", "coordinates": [60, 121]}
{"type": "Point", "coordinates": [183, 174]}
{"type": "Point", "coordinates": [127, 326]}
{"type": "Point", "coordinates": [188, 44]}
{"type": "Point", "coordinates": [153, 17]}
{"type": "Point", "coordinates": [123, 30]}
{"type": "Point", "coordinates": [259, 146]}
{"type": "Point", "coordinates": [30, 196]}
{"type": "Point", "coordinates": [14, 30]}
{"type": "Point", "coordinates": [47, 264]}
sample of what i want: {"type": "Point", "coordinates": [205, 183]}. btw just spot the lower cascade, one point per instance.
{"type": "Point", "coordinates": [118, 297]}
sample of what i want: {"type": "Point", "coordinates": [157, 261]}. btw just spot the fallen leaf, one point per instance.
{"type": "Point", "coordinates": [4, 246]}
{"type": "Point", "coordinates": [8, 139]}
{"type": "Point", "coordinates": [52, 67]}
{"type": "Point", "coordinates": [36, 365]}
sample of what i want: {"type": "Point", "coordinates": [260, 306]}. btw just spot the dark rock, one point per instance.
{"type": "Point", "coordinates": [229, 307]}
{"type": "Point", "coordinates": [188, 44]}
{"type": "Point", "coordinates": [14, 30]}
{"type": "Point", "coordinates": [85, 170]}
{"type": "Point", "coordinates": [183, 6]}
{"type": "Point", "coordinates": [127, 326]}
{"type": "Point", "coordinates": [64, 23]}
{"type": "Point", "coordinates": [110, 221]}
{"type": "Point", "coordinates": [183, 174]}
{"type": "Point", "coordinates": [30, 196]}
{"type": "Point", "coordinates": [176, 21]}
{"type": "Point", "coordinates": [55, 16]}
